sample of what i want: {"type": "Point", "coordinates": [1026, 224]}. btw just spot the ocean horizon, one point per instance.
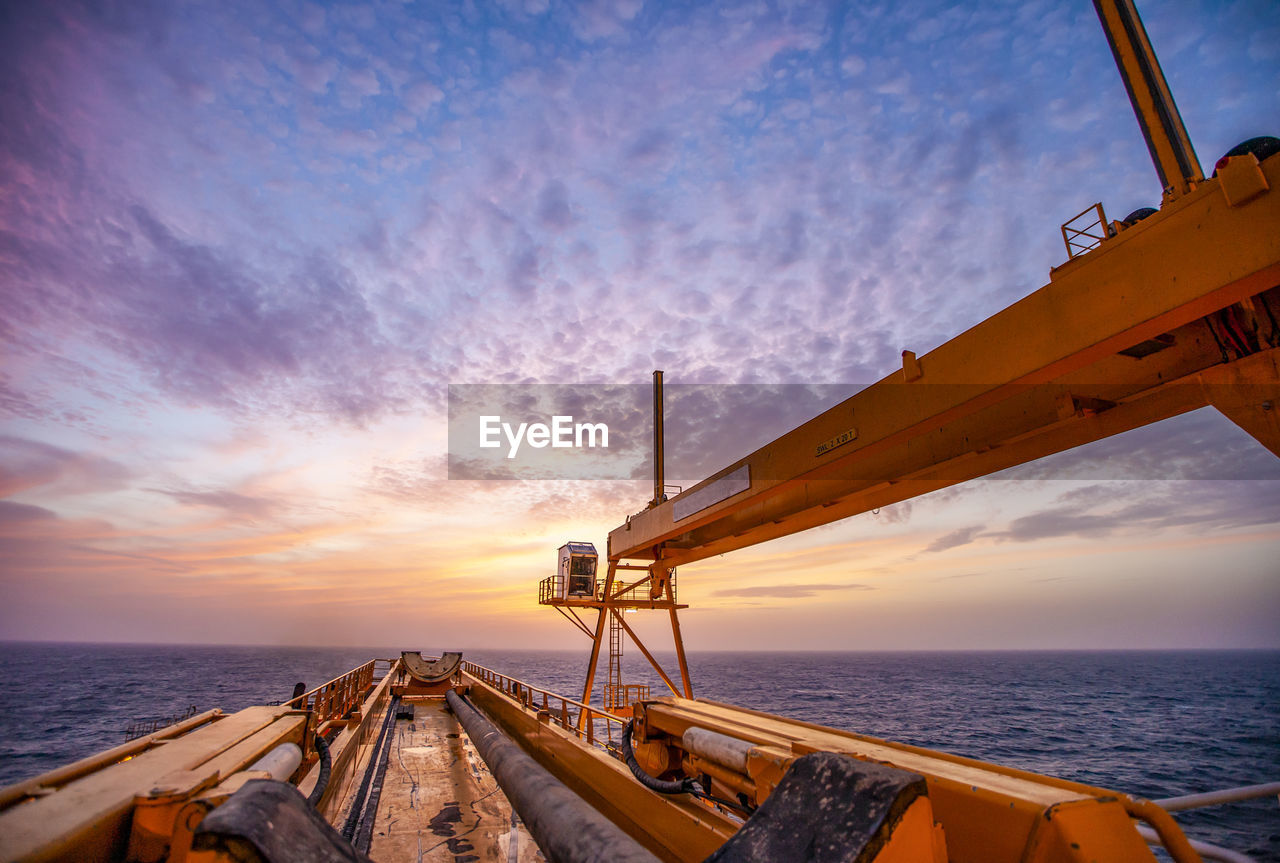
{"type": "Point", "coordinates": [1153, 723]}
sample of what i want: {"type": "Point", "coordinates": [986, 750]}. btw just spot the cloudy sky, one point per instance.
{"type": "Point", "coordinates": [246, 247]}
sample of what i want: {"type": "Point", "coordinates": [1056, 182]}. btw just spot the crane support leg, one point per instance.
{"type": "Point", "coordinates": [1247, 392]}
{"type": "Point", "coordinates": [601, 621]}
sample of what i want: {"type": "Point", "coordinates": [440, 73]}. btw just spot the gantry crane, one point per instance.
{"type": "Point", "coordinates": [1162, 312]}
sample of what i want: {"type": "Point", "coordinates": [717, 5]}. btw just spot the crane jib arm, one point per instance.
{"type": "Point", "coordinates": [1120, 338]}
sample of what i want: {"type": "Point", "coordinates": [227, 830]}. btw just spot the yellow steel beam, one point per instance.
{"type": "Point", "coordinates": [88, 818]}
{"type": "Point", "coordinates": [961, 451]}
{"type": "Point", "coordinates": [988, 813]}
{"type": "Point", "coordinates": [575, 620]}
{"type": "Point", "coordinates": [674, 828]}
{"type": "Point", "coordinates": [46, 783]}
{"type": "Point", "coordinates": [993, 396]}
{"type": "Point", "coordinates": [678, 638]}
{"type": "Point", "coordinates": [1246, 392]}
{"type": "Point", "coordinates": [597, 640]}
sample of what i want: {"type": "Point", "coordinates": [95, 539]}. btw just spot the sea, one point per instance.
{"type": "Point", "coordinates": [1154, 724]}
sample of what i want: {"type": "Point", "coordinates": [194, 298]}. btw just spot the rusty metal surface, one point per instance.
{"type": "Point", "coordinates": [440, 803]}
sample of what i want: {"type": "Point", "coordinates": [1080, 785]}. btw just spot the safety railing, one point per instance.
{"type": "Point", "coordinates": [564, 712]}
{"type": "Point", "coordinates": [551, 591]}
{"type": "Point", "coordinates": [639, 592]}
{"type": "Point", "coordinates": [143, 727]}
{"type": "Point", "coordinates": [1210, 798]}
{"type": "Point", "coordinates": [624, 695]}
{"type": "Point", "coordinates": [338, 697]}
{"type": "Point", "coordinates": [1085, 231]}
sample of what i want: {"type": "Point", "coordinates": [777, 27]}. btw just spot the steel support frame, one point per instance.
{"type": "Point", "coordinates": [613, 604]}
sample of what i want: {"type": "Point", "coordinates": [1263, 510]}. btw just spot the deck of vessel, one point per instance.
{"type": "Point", "coordinates": [439, 801]}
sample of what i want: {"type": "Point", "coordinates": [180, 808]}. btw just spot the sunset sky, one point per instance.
{"type": "Point", "coordinates": [246, 247]}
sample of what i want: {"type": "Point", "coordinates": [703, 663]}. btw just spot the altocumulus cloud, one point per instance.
{"type": "Point", "coordinates": [788, 591]}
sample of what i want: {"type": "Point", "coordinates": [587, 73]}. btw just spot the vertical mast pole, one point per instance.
{"type": "Point", "coordinates": [658, 454]}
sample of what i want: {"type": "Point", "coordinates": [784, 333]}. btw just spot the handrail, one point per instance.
{"type": "Point", "coordinates": [1079, 234]}
{"type": "Point", "coordinates": [1196, 801]}
{"type": "Point", "coordinates": [339, 696]}
{"type": "Point", "coordinates": [551, 591]}
{"type": "Point", "coordinates": [1167, 831]}
{"type": "Point", "coordinates": [1216, 798]}
{"type": "Point", "coordinates": [525, 693]}
{"type": "Point", "coordinates": [471, 667]}
{"type": "Point", "coordinates": [1204, 849]}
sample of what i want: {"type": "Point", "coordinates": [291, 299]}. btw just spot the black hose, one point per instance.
{"type": "Point", "coordinates": [680, 786]}
{"type": "Point", "coordinates": [662, 786]}
{"type": "Point", "coordinates": [364, 835]}
{"type": "Point", "coordinates": [326, 765]}
{"type": "Point", "coordinates": [358, 804]}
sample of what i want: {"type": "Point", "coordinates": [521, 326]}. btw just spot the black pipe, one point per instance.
{"type": "Point", "coordinates": [566, 827]}
{"type": "Point", "coordinates": [662, 786]}
{"type": "Point", "coordinates": [326, 765]}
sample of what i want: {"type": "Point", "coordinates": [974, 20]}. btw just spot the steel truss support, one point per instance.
{"type": "Point", "coordinates": [661, 595]}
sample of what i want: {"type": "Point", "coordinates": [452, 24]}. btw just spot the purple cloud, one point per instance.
{"type": "Point", "coordinates": [234, 503]}
{"type": "Point", "coordinates": [789, 591]}
{"type": "Point", "coordinates": [955, 539]}
{"type": "Point", "coordinates": [1124, 508]}
{"type": "Point", "coordinates": [27, 464]}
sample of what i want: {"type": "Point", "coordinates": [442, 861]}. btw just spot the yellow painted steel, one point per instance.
{"type": "Point", "coordinates": [1152, 320]}
{"type": "Point", "coordinates": [166, 815]}
{"type": "Point", "coordinates": [674, 828]}
{"type": "Point", "coordinates": [916, 838]}
{"type": "Point", "coordinates": [90, 817]}
{"type": "Point", "coordinates": [655, 590]}
{"type": "Point", "coordinates": [1161, 124]}
{"type": "Point", "coordinates": [142, 801]}
{"type": "Point", "coordinates": [345, 747]}
{"type": "Point", "coordinates": [990, 398]}
{"type": "Point", "coordinates": [987, 813]}
{"type": "Point", "coordinates": [1144, 322]}
{"type": "Point", "coordinates": [47, 783]}
{"type": "Point", "coordinates": [147, 806]}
